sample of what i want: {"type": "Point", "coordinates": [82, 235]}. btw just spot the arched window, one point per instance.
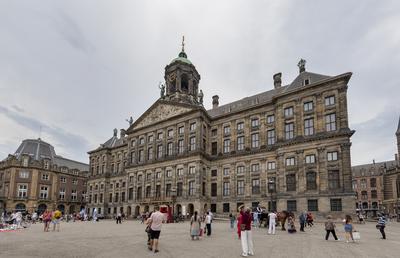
{"type": "Point", "coordinates": [364, 195]}
{"type": "Point", "coordinates": [184, 83]}
{"type": "Point", "coordinates": [20, 207]}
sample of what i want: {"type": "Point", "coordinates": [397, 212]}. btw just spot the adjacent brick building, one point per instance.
{"type": "Point", "coordinates": [35, 178]}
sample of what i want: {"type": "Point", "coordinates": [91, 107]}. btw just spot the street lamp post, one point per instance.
{"type": "Point", "coordinates": [173, 198]}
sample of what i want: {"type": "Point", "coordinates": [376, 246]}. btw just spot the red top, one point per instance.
{"type": "Point", "coordinates": [246, 219]}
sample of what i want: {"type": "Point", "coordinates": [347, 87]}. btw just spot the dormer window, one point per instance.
{"type": "Point", "coordinates": [306, 82]}
{"type": "Point", "coordinates": [46, 164]}
{"type": "Point", "coordinates": [25, 161]}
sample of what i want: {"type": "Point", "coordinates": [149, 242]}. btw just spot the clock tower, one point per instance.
{"type": "Point", "coordinates": [182, 80]}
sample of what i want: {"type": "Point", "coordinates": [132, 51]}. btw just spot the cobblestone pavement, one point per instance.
{"type": "Point", "coordinates": [106, 239]}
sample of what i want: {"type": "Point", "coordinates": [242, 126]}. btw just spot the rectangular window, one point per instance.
{"type": "Point", "coordinates": [213, 207]}
{"type": "Point", "coordinates": [271, 137]}
{"type": "Point", "coordinates": [22, 190]}
{"type": "Point", "coordinates": [225, 207]}
{"type": "Point", "coordinates": [63, 180]}
{"type": "Point", "coordinates": [45, 177]}
{"type": "Point", "coordinates": [170, 149]}
{"type": "Point", "coordinates": [288, 112]}
{"type": "Point", "coordinates": [158, 175]}
{"type": "Point", "coordinates": [271, 184]}
{"type": "Point", "coordinates": [270, 119]}
{"type": "Point", "coordinates": [62, 194]}
{"type": "Point", "coordinates": [309, 127]}
{"type": "Point", "coordinates": [158, 190]}
{"type": "Point", "coordinates": [240, 126]}
{"type": "Point", "coordinates": [312, 205]}
{"type": "Point", "coordinates": [311, 180]}
{"type": "Point", "coordinates": [330, 101]}
{"type": "Point", "coordinates": [240, 187]}
{"type": "Point", "coordinates": [159, 136]}
{"type": "Point", "coordinates": [169, 173]}
{"type": "Point", "coordinates": [333, 179]}
{"type": "Point", "coordinates": [255, 122]}
{"type": "Point", "coordinates": [227, 145]}
{"type": "Point", "coordinates": [255, 140]}
{"type": "Point", "coordinates": [308, 106]}
{"type": "Point", "coordinates": [213, 189]}
{"type": "Point", "coordinates": [214, 172]}
{"type": "Point", "coordinates": [255, 186]}
{"type": "Point", "coordinates": [132, 157]}
{"type": "Point", "coordinates": [149, 153]}
{"type": "Point", "coordinates": [130, 193]}
{"type": "Point", "coordinates": [332, 156]}
{"type": "Point", "coordinates": [336, 204]}
{"type": "Point", "coordinates": [192, 170]}
{"type": "Point", "coordinates": [180, 146]}
{"type": "Point", "coordinates": [226, 171]}
{"type": "Point", "coordinates": [74, 181]}
{"type": "Point", "coordinates": [291, 182]}
{"type": "Point", "coordinates": [168, 190]}
{"type": "Point", "coordinates": [240, 143]}
{"type": "Point", "coordinates": [141, 157]}
{"type": "Point", "coordinates": [181, 130]}
{"type": "Point", "coordinates": [44, 192]}
{"type": "Point", "coordinates": [23, 174]}
{"type": "Point", "coordinates": [141, 140]}
{"type": "Point", "coordinates": [310, 159]}
{"type": "Point", "coordinates": [74, 195]}
{"type": "Point", "coordinates": [214, 132]}
{"type": "Point", "coordinates": [148, 192]}
{"type": "Point", "coordinates": [372, 182]}
{"type": "Point", "coordinates": [150, 138]}
{"type": "Point", "coordinates": [227, 130]}
{"type": "Point", "coordinates": [289, 131]}
{"type": "Point", "coordinates": [240, 170]}
{"type": "Point", "coordinates": [214, 148]}
{"type": "Point", "coordinates": [226, 190]}
{"type": "Point", "coordinates": [255, 167]}
{"type": "Point", "coordinates": [179, 172]}
{"type": "Point", "coordinates": [159, 151]}
{"type": "Point", "coordinates": [291, 205]}
{"type": "Point", "coordinates": [193, 126]}
{"type": "Point", "coordinates": [290, 161]}
{"type": "Point", "coordinates": [192, 143]}
{"type": "Point", "coordinates": [271, 165]}
{"type": "Point", "coordinates": [330, 122]}
{"type": "Point", "coordinates": [171, 132]}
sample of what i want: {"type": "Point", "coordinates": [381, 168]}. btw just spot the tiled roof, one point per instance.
{"type": "Point", "coordinates": [38, 150]}
{"type": "Point", "coordinates": [373, 168]}
{"type": "Point", "coordinates": [266, 96]}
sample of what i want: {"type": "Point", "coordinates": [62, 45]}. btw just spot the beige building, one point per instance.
{"type": "Point", "coordinates": [287, 148]}
{"type": "Point", "coordinates": [36, 178]}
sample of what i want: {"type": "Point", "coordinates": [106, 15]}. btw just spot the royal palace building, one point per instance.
{"type": "Point", "coordinates": [287, 148]}
{"type": "Point", "coordinates": [35, 178]}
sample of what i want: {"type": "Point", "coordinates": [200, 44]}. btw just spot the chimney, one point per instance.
{"type": "Point", "coordinates": [122, 133]}
{"type": "Point", "coordinates": [215, 101]}
{"type": "Point", "coordinates": [277, 80]}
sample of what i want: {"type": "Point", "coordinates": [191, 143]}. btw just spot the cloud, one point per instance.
{"type": "Point", "coordinates": [69, 144]}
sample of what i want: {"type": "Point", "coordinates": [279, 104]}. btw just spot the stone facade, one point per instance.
{"type": "Point", "coordinates": [287, 149]}
{"type": "Point", "coordinates": [35, 178]}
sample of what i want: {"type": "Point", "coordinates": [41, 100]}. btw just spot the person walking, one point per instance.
{"type": "Point", "coordinates": [156, 220]}
{"type": "Point", "coordinates": [348, 228]}
{"type": "Point", "coordinates": [302, 221]}
{"type": "Point", "coordinates": [195, 226]}
{"type": "Point", "coordinates": [381, 225]}
{"type": "Point", "coordinates": [34, 217]}
{"type": "Point", "coordinates": [330, 228]}
{"type": "Point", "coordinates": [255, 218]}
{"type": "Point", "coordinates": [310, 219]}
{"type": "Point", "coordinates": [246, 234]}
{"type": "Point", "coordinates": [239, 221]}
{"type": "Point", "coordinates": [272, 223]}
{"type": "Point", "coordinates": [232, 220]}
{"type": "Point", "coordinates": [56, 219]}
{"type": "Point", "coordinates": [46, 220]}
{"type": "Point", "coordinates": [119, 218]}
{"type": "Point", "coordinates": [291, 226]}
{"type": "Point", "coordinates": [95, 215]}
{"type": "Point", "coordinates": [148, 231]}
{"type": "Point", "coordinates": [208, 223]}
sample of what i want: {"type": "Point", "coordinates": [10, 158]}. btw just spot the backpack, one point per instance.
{"type": "Point", "coordinates": [57, 214]}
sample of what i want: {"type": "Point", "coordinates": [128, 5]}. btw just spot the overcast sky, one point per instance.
{"type": "Point", "coordinates": [78, 69]}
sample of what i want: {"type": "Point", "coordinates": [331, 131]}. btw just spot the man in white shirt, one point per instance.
{"type": "Point", "coordinates": [272, 222]}
{"type": "Point", "coordinates": [208, 223]}
{"type": "Point", "coordinates": [156, 220]}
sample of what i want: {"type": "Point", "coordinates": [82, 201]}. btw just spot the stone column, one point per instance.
{"type": "Point", "coordinates": [323, 173]}
{"type": "Point", "coordinates": [346, 167]}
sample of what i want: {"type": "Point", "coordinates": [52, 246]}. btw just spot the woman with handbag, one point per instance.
{"type": "Point", "coordinates": [246, 236]}
{"type": "Point", "coordinates": [148, 231]}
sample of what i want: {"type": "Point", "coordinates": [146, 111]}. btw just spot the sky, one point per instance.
{"type": "Point", "coordinates": [72, 71]}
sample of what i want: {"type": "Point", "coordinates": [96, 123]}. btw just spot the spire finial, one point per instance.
{"type": "Point", "coordinates": [183, 43]}
{"type": "Point", "coordinates": [302, 65]}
